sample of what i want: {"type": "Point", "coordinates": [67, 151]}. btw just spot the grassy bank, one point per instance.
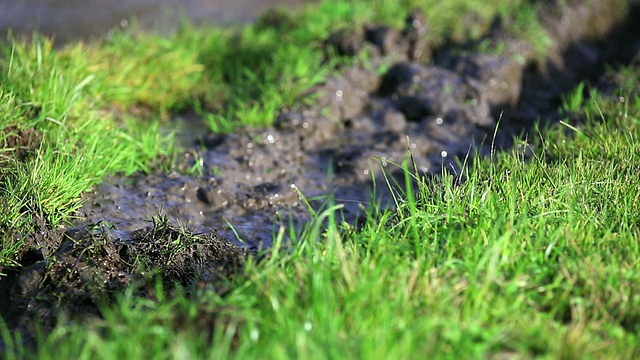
{"type": "Point", "coordinates": [533, 255]}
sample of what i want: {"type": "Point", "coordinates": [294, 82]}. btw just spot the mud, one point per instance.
{"type": "Point", "coordinates": [434, 103]}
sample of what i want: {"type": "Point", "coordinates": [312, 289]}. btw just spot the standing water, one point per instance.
{"type": "Point", "coordinates": [72, 19]}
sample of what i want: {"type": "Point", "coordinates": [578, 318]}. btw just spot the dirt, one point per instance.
{"type": "Point", "coordinates": [436, 102]}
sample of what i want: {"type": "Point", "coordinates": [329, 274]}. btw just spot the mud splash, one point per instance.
{"type": "Point", "coordinates": [437, 102]}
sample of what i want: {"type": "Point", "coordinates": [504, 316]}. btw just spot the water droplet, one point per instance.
{"type": "Point", "coordinates": [254, 335]}
{"type": "Point", "coordinates": [443, 153]}
{"type": "Point", "coordinates": [124, 23]}
{"type": "Point", "coordinates": [622, 99]}
{"type": "Point", "coordinates": [366, 172]}
{"type": "Point", "coordinates": [293, 186]}
{"type": "Point", "coordinates": [308, 326]}
{"type": "Point", "coordinates": [271, 139]}
{"type": "Point", "coordinates": [249, 145]}
{"type": "Point", "coordinates": [439, 121]}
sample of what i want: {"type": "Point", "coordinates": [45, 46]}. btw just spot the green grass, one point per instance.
{"type": "Point", "coordinates": [61, 101]}
{"type": "Point", "coordinates": [531, 256]}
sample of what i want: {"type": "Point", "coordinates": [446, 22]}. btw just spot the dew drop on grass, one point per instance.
{"type": "Point", "coordinates": [443, 153]}
{"type": "Point", "coordinates": [439, 121]}
{"type": "Point", "coordinates": [254, 335]}
{"type": "Point", "coordinates": [308, 326]}
{"type": "Point", "coordinates": [622, 99]}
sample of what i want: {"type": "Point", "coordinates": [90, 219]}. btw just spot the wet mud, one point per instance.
{"type": "Point", "coordinates": [433, 104]}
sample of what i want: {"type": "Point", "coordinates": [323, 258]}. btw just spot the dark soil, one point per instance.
{"type": "Point", "coordinates": [439, 103]}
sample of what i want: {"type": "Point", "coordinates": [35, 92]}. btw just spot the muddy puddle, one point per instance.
{"type": "Point", "coordinates": [436, 102]}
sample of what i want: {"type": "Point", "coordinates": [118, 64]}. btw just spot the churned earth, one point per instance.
{"type": "Point", "coordinates": [409, 103]}
{"type": "Point", "coordinates": [441, 104]}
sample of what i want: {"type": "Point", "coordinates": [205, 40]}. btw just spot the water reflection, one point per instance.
{"type": "Point", "coordinates": [71, 19]}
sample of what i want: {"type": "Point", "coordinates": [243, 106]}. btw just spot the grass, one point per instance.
{"type": "Point", "coordinates": [533, 255]}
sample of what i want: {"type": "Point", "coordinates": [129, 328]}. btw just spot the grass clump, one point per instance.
{"type": "Point", "coordinates": [59, 139]}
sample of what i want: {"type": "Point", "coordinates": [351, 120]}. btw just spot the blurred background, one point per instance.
{"type": "Point", "coordinates": [83, 19]}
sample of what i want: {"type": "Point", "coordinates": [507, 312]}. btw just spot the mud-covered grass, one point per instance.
{"type": "Point", "coordinates": [527, 253]}
{"type": "Point", "coordinates": [534, 254]}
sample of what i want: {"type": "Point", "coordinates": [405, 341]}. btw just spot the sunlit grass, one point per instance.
{"type": "Point", "coordinates": [533, 254]}
{"type": "Point", "coordinates": [50, 94]}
